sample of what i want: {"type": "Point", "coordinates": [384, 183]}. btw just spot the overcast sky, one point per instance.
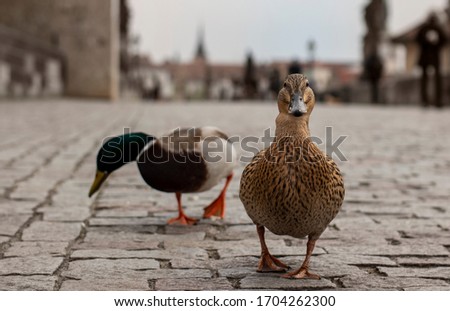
{"type": "Point", "coordinates": [270, 29]}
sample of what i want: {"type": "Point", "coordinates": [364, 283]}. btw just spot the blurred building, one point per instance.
{"type": "Point", "coordinates": [203, 79]}
{"type": "Point", "coordinates": [406, 77]}
{"type": "Point", "coordinates": [59, 47]}
{"type": "Point", "coordinates": [411, 50]}
{"type": "Point", "coordinates": [401, 81]}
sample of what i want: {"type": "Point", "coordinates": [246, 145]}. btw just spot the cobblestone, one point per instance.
{"type": "Point", "coordinates": [29, 265]}
{"type": "Point", "coordinates": [374, 282]}
{"type": "Point", "coordinates": [393, 232]}
{"type": "Point", "coordinates": [274, 282]}
{"type": "Point", "coordinates": [51, 231]}
{"type": "Point", "coordinates": [193, 284]}
{"type": "Point", "coordinates": [23, 249]}
{"type": "Point", "coordinates": [437, 273]}
{"type": "Point", "coordinates": [108, 268]}
{"type": "Point", "coordinates": [31, 282]}
{"type": "Point", "coordinates": [10, 223]}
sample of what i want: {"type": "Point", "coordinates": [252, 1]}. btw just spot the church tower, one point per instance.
{"type": "Point", "coordinates": [200, 53]}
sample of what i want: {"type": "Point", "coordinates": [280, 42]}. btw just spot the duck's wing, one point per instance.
{"type": "Point", "coordinates": [183, 140]}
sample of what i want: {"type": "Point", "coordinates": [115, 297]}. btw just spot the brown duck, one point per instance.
{"type": "Point", "coordinates": [292, 188]}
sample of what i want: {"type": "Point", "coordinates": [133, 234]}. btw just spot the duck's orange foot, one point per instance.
{"type": "Point", "coordinates": [301, 273]}
{"type": "Point", "coordinates": [268, 263]}
{"type": "Point", "coordinates": [182, 220]}
{"type": "Point", "coordinates": [216, 208]}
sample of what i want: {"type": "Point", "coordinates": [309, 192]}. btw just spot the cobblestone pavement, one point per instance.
{"type": "Point", "coordinates": [393, 232]}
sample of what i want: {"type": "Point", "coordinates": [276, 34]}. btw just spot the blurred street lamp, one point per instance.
{"type": "Point", "coordinates": [312, 50]}
{"type": "Point", "coordinates": [312, 58]}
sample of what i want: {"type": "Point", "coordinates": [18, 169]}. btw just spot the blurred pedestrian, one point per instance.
{"type": "Point", "coordinates": [431, 39]}
{"type": "Point", "coordinates": [274, 82]}
{"type": "Point", "coordinates": [373, 67]}
{"type": "Point", "coordinates": [295, 67]}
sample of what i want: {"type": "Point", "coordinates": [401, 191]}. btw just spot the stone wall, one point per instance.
{"type": "Point", "coordinates": [87, 32]}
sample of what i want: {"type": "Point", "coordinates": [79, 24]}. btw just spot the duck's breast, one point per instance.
{"type": "Point", "coordinates": [295, 199]}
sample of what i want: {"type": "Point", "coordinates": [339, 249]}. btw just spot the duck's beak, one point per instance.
{"type": "Point", "coordinates": [100, 177]}
{"type": "Point", "coordinates": [297, 107]}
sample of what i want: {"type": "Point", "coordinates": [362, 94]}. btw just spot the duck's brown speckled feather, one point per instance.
{"type": "Point", "coordinates": [292, 188]}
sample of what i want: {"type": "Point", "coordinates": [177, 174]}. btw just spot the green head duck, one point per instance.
{"type": "Point", "coordinates": [115, 153]}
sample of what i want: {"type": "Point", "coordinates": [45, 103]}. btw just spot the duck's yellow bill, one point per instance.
{"type": "Point", "coordinates": [100, 177]}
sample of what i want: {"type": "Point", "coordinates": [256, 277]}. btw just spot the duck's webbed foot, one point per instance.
{"type": "Point", "coordinates": [182, 220]}
{"type": "Point", "coordinates": [268, 263]}
{"type": "Point", "coordinates": [216, 208]}
{"type": "Point", "coordinates": [301, 273]}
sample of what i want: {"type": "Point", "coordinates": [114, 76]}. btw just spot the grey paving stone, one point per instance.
{"type": "Point", "coordinates": [370, 282]}
{"type": "Point", "coordinates": [10, 224]}
{"type": "Point", "coordinates": [68, 213]}
{"type": "Point", "coordinates": [355, 222]}
{"type": "Point", "coordinates": [184, 252]}
{"type": "Point", "coordinates": [27, 283]}
{"type": "Point", "coordinates": [382, 210]}
{"type": "Point", "coordinates": [325, 266]}
{"type": "Point", "coordinates": [191, 236]}
{"type": "Point", "coordinates": [181, 230]}
{"type": "Point", "coordinates": [193, 284]}
{"type": "Point", "coordinates": [109, 268]}
{"type": "Point", "coordinates": [130, 229]}
{"type": "Point", "coordinates": [125, 283]}
{"type": "Point", "coordinates": [111, 253]}
{"type": "Point", "coordinates": [421, 261]}
{"type": "Point", "coordinates": [248, 248]}
{"type": "Point", "coordinates": [51, 231]}
{"type": "Point", "coordinates": [122, 212]}
{"type": "Point", "coordinates": [444, 222]}
{"type": "Point", "coordinates": [29, 193]}
{"type": "Point", "coordinates": [144, 221]}
{"type": "Point", "coordinates": [406, 223]}
{"type": "Point", "coordinates": [11, 207]}
{"type": "Point", "coordinates": [240, 232]}
{"type": "Point", "coordinates": [24, 249]}
{"type": "Point", "coordinates": [235, 262]}
{"type": "Point", "coordinates": [275, 282]}
{"type": "Point", "coordinates": [356, 259]}
{"type": "Point", "coordinates": [422, 233]}
{"type": "Point", "coordinates": [177, 274]}
{"type": "Point", "coordinates": [438, 273]}
{"type": "Point", "coordinates": [64, 199]}
{"type": "Point", "coordinates": [437, 287]}
{"type": "Point", "coordinates": [390, 250]}
{"type": "Point", "coordinates": [186, 263]}
{"type": "Point", "coordinates": [30, 265]}
{"type": "Point", "coordinates": [119, 240]}
{"type": "Point", "coordinates": [433, 209]}
{"type": "Point", "coordinates": [238, 272]}
{"type": "Point", "coordinates": [332, 237]}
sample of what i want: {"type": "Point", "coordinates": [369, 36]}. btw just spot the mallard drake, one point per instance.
{"type": "Point", "coordinates": [292, 188]}
{"type": "Point", "coordinates": [184, 161]}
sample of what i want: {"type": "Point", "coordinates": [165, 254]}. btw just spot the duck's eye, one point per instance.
{"type": "Point", "coordinates": [307, 84]}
